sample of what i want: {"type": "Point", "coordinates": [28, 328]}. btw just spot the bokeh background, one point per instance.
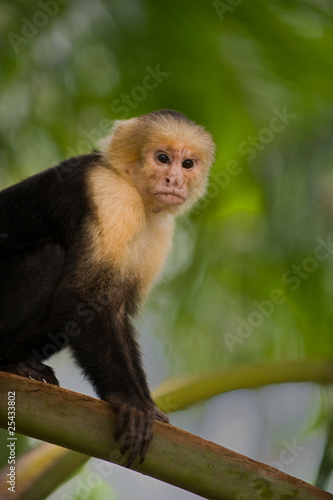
{"type": "Point", "coordinates": [250, 278]}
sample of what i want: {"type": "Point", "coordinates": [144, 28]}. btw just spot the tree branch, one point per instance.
{"type": "Point", "coordinates": [179, 393]}
{"type": "Point", "coordinates": [86, 425]}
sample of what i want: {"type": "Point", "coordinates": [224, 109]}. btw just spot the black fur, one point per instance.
{"type": "Point", "coordinates": [49, 299]}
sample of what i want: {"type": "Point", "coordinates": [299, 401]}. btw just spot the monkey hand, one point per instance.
{"type": "Point", "coordinates": [134, 424]}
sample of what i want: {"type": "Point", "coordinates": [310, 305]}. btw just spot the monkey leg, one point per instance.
{"type": "Point", "coordinates": [31, 369]}
{"type": "Point", "coordinates": [27, 281]}
{"type": "Point", "coordinates": [106, 349]}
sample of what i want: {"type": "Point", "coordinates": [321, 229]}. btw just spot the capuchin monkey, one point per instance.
{"type": "Point", "coordinates": [80, 246]}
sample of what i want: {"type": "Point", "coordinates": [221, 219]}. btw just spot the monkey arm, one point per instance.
{"type": "Point", "coordinates": [106, 349]}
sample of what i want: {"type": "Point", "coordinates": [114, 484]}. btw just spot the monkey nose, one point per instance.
{"type": "Point", "coordinates": [174, 181]}
{"type": "Point", "coordinates": [171, 181]}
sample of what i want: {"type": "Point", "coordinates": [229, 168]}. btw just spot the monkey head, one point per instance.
{"type": "Point", "coordinates": [166, 156]}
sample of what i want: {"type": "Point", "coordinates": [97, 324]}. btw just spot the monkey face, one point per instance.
{"type": "Point", "coordinates": [166, 177]}
{"type": "Point", "coordinates": [165, 155]}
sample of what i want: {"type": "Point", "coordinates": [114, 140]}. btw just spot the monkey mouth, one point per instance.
{"type": "Point", "coordinates": [168, 198]}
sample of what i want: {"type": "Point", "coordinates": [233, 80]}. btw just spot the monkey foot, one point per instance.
{"type": "Point", "coordinates": [33, 370]}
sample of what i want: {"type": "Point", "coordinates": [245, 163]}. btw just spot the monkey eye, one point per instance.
{"type": "Point", "coordinates": [187, 164]}
{"type": "Point", "coordinates": [163, 158]}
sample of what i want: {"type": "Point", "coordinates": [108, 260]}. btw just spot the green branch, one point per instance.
{"type": "Point", "coordinates": [86, 425]}
{"type": "Point", "coordinates": [40, 471]}
{"type": "Point", "coordinates": [177, 394]}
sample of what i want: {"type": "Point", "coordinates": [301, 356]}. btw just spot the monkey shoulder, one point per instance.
{"type": "Point", "coordinates": [47, 206]}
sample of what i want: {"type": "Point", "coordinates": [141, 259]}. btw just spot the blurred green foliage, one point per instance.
{"type": "Point", "coordinates": [69, 67]}
{"type": "Point", "coordinates": [251, 275]}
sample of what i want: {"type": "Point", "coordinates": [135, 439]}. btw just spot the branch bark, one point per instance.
{"type": "Point", "coordinates": [86, 425]}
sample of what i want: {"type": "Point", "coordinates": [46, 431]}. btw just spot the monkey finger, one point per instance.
{"type": "Point", "coordinates": [122, 422]}
{"type": "Point", "coordinates": [118, 431]}
{"type": "Point", "coordinates": [146, 441]}
{"type": "Point", "coordinates": [137, 433]}
{"type": "Point", "coordinates": [158, 415]}
{"type": "Point", "coordinates": [143, 451]}
{"type": "Point", "coordinates": [131, 434]}
{"type": "Point", "coordinates": [140, 436]}
{"type": "Point", "coordinates": [130, 460]}
{"type": "Point", "coordinates": [128, 445]}
{"type": "Point", "coordinates": [133, 453]}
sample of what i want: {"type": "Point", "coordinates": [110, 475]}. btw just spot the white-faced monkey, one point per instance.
{"type": "Point", "coordinates": [80, 246]}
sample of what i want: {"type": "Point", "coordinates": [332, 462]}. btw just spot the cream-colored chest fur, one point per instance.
{"type": "Point", "coordinates": [123, 234]}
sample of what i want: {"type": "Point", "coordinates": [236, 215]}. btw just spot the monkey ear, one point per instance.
{"type": "Point", "coordinates": [122, 146]}
{"type": "Point", "coordinates": [105, 143]}
{"type": "Point", "coordinates": [122, 133]}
